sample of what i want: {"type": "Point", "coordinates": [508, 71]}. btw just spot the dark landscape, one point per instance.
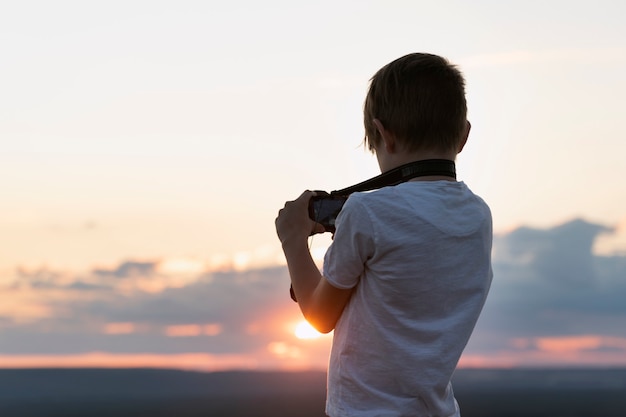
{"type": "Point", "coordinates": [157, 392]}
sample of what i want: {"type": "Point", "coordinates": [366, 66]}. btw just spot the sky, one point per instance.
{"type": "Point", "coordinates": [146, 148]}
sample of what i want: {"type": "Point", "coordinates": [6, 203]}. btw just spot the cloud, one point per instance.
{"type": "Point", "coordinates": [191, 361]}
{"type": "Point", "coordinates": [119, 328]}
{"type": "Point", "coordinates": [552, 298]}
{"type": "Point", "coordinates": [193, 330]}
{"type": "Point", "coordinates": [577, 343]}
{"type": "Point", "coordinates": [215, 312]}
{"type": "Point", "coordinates": [562, 253]}
{"type": "Point", "coordinates": [128, 269]}
{"type": "Point", "coordinates": [548, 283]}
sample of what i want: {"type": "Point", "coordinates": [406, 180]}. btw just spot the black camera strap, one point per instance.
{"type": "Point", "coordinates": [427, 167]}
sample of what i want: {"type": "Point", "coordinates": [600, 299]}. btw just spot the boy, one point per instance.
{"type": "Point", "coordinates": [409, 268]}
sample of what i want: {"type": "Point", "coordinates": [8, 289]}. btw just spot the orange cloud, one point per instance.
{"type": "Point", "coordinates": [183, 330]}
{"type": "Point", "coordinates": [498, 360]}
{"type": "Point", "coordinates": [579, 343]}
{"type": "Point", "coordinates": [181, 266]}
{"type": "Point", "coordinates": [193, 330]}
{"type": "Point", "coordinates": [580, 350]}
{"type": "Point", "coordinates": [212, 329]}
{"type": "Point", "coordinates": [284, 350]}
{"type": "Point", "coordinates": [119, 328]}
{"type": "Point", "coordinates": [187, 361]}
{"type": "Point", "coordinates": [568, 343]}
{"type": "Point", "coordinates": [24, 305]}
{"type": "Point", "coordinates": [513, 359]}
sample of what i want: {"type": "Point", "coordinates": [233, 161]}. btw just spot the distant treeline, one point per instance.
{"type": "Point", "coordinates": [155, 392]}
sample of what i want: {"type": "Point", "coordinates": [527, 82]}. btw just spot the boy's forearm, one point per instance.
{"type": "Point", "coordinates": [305, 276]}
{"type": "Point", "coordinates": [320, 303]}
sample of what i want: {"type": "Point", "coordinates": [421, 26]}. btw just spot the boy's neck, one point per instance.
{"type": "Point", "coordinates": [394, 160]}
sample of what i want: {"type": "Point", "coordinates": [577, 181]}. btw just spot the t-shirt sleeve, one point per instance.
{"type": "Point", "coordinates": [352, 246]}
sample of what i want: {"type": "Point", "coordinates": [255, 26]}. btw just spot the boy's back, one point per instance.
{"type": "Point", "coordinates": [419, 253]}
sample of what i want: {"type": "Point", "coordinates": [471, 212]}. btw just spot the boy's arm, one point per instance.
{"type": "Point", "coordinates": [320, 302]}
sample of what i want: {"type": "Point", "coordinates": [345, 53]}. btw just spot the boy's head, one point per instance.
{"type": "Point", "coordinates": [420, 99]}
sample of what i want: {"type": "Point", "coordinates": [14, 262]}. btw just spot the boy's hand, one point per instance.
{"type": "Point", "coordinates": [293, 223]}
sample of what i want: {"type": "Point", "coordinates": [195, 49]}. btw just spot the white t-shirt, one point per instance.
{"type": "Point", "coordinates": [419, 255]}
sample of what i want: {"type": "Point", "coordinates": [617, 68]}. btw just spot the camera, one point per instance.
{"type": "Point", "coordinates": [324, 209]}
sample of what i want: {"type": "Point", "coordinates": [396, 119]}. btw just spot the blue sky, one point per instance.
{"type": "Point", "coordinates": [168, 134]}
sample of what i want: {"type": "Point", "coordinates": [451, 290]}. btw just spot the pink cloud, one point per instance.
{"type": "Point", "coordinates": [187, 361]}
{"type": "Point", "coordinates": [579, 350]}
{"type": "Point", "coordinates": [192, 330]}
{"type": "Point", "coordinates": [119, 328]}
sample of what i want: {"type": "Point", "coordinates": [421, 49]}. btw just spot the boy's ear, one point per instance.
{"type": "Point", "coordinates": [389, 139]}
{"type": "Point", "coordinates": [466, 131]}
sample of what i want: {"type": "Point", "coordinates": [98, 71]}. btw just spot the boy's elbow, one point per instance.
{"type": "Point", "coordinates": [321, 323]}
{"type": "Point", "coordinates": [324, 307]}
{"type": "Point", "coordinates": [324, 328]}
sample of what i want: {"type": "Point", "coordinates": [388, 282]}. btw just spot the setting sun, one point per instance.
{"type": "Point", "coordinates": [305, 331]}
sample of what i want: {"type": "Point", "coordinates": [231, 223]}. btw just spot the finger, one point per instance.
{"type": "Point", "coordinates": [307, 195]}
{"type": "Point", "coordinates": [317, 228]}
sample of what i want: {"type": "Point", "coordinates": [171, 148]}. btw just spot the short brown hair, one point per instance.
{"type": "Point", "coordinates": [420, 98]}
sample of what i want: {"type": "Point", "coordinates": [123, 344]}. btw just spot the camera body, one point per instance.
{"type": "Point", "coordinates": [324, 209]}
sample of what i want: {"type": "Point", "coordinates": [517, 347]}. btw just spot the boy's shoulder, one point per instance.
{"type": "Point", "coordinates": [417, 189]}
{"type": "Point", "coordinates": [448, 205]}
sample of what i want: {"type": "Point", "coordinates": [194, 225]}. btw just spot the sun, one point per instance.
{"type": "Point", "coordinates": [305, 331]}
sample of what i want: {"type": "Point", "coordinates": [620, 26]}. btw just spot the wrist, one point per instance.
{"type": "Point", "coordinates": [294, 243]}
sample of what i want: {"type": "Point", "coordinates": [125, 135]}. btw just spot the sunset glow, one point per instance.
{"type": "Point", "coordinates": [294, 356]}
{"type": "Point", "coordinates": [305, 331]}
{"type": "Point", "coordinates": [186, 361]}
